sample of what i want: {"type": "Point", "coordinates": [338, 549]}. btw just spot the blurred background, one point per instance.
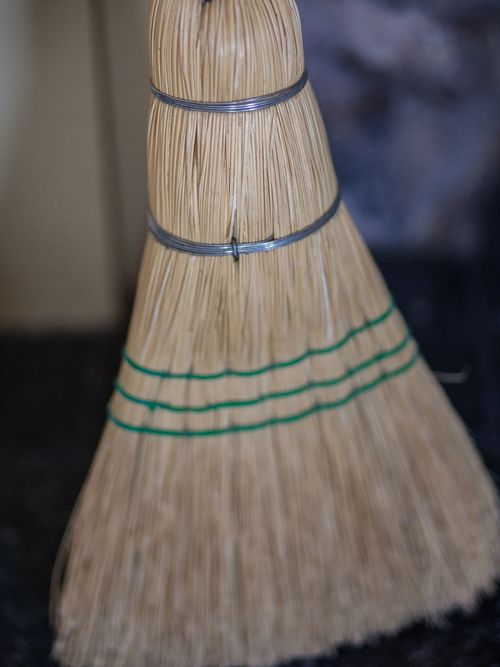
{"type": "Point", "coordinates": [410, 91]}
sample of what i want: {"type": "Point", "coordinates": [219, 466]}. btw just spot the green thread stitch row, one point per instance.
{"type": "Point", "coordinates": [319, 384]}
{"type": "Point", "coordinates": [238, 428]}
{"type": "Point", "coordinates": [271, 367]}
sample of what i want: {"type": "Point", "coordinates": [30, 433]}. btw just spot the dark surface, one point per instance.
{"type": "Point", "coordinates": [53, 393]}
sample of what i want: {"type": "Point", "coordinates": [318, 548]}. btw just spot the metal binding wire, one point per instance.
{"type": "Point", "coordinates": [234, 248]}
{"type": "Point", "coordinates": [237, 106]}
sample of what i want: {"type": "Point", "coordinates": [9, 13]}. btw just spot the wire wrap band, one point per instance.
{"type": "Point", "coordinates": [237, 106]}
{"type": "Point", "coordinates": [234, 248]}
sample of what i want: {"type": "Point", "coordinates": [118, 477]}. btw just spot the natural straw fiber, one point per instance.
{"type": "Point", "coordinates": [280, 471]}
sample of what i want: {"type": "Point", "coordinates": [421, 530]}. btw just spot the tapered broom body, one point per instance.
{"type": "Point", "coordinates": [280, 472]}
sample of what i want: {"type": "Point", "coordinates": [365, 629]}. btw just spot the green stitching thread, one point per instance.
{"type": "Point", "coordinates": [237, 428]}
{"type": "Point", "coordinates": [320, 384]}
{"type": "Point", "coordinates": [282, 364]}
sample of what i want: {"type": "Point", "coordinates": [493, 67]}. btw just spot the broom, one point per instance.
{"type": "Point", "coordinates": [280, 472]}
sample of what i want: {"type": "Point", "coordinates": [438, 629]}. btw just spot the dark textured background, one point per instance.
{"type": "Point", "coordinates": [411, 95]}
{"type": "Point", "coordinates": [410, 92]}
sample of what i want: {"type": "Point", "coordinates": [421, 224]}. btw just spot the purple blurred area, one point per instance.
{"type": "Point", "coordinates": [410, 91]}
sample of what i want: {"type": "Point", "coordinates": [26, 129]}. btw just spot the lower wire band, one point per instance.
{"type": "Point", "coordinates": [234, 248]}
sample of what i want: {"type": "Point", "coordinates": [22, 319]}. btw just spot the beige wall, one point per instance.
{"type": "Point", "coordinates": [126, 40]}
{"type": "Point", "coordinates": [73, 82]}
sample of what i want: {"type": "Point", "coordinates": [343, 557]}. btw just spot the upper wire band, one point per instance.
{"type": "Point", "coordinates": [237, 106]}
{"type": "Point", "coordinates": [234, 248]}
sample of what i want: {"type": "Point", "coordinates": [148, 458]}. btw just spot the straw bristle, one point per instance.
{"type": "Point", "coordinates": [222, 50]}
{"type": "Point", "coordinates": [315, 485]}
